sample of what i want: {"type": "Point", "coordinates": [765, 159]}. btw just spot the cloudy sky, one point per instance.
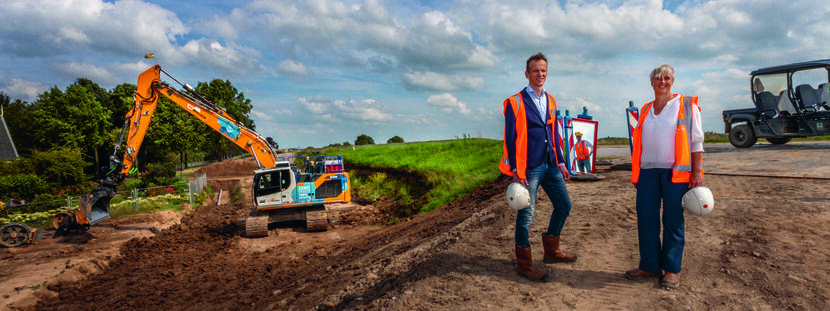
{"type": "Point", "coordinates": [325, 71]}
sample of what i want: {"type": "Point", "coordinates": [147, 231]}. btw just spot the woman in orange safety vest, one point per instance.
{"type": "Point", "coordinates": [666, 161]}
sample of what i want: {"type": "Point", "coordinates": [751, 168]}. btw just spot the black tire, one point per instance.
{"type": "Point", "coordinates": [742, 136]}
{"type": "Point", "coordinates": [778, 140]}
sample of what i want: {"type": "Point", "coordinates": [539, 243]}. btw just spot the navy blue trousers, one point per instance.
{"type": "Point", "coordinates": [653, 186]}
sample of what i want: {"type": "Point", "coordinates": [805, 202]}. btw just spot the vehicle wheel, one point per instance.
{"type": "Point", "coordinates": [778, 140]}
{"type": "Point", "coordinates": [742, 136]}
{"type": "Point", "coordinates": [14, 234]}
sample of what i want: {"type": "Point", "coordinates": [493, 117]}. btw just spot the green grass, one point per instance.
{"type": "Point", "coordinates": [451, 169]}
{"type": "Point", "coordinates": [814, 138]}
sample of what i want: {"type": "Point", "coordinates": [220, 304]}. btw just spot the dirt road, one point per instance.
{"type": "Point", "coordinates": [763, 248]}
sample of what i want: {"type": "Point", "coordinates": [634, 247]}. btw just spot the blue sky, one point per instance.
{"type": "Point", "coordinates": [321, 72]}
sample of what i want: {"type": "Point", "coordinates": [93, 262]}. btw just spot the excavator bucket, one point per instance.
{"type": "Point", "coordinates": [96, 204]}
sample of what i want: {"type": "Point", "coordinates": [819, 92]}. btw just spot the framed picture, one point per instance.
{"type": "Point", "coordinates": [583, 142]}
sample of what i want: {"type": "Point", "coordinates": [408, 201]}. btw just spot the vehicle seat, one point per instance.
{"type": "Point", "coordinates": [807, 97]}
{"type": "Point", "coordinates": [824, 95]}
{"type": "Point", "coordinates": [768, 103]}
{"type": "Point", "coordinates": [784, 103]}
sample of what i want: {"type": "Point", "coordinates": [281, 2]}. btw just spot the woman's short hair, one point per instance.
{"type": "Point", "coordinates": [661, 71]}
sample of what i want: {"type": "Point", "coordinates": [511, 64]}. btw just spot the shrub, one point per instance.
{"type": "Point", "coordinates": [395, 140]}
{"type": "Point", "coordinates": [60, 167]}
{"type": "Point", "coordinates": [21, 186]}
{"type": "Point", "coordinates": [364, 139]}
{"type": "Point", "coordinates": [160, 174]}
{"type": "Point", "coordinates": [130, 184]}
{"type": "Point", "coordinates": [36, 219]}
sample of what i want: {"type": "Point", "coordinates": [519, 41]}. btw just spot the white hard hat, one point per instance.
{"type": "Point", "coordinates": [699, 201]}
{"type": "Point", "coordinates": [517, 196]}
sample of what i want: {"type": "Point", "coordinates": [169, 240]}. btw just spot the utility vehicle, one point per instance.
{"type": "Point", "coordinates": [791, 101]}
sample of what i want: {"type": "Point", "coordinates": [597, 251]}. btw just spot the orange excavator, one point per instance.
{"type": "Point", "coordinates": [283, 190]}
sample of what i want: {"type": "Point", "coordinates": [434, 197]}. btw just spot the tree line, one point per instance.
{"type": "Point", "coordinates": [79, 126]}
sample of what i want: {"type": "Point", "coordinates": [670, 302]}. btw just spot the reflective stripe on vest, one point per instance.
{"type": "Point", "coordinates": [681, 171]}
{"type": "Point", "coordinates": [582, 151]}
{"type": "Point", "coordinates": [516, 103]}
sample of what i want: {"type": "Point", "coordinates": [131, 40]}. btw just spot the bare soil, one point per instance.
{"type": "Point", "coordinates": [763, 248]}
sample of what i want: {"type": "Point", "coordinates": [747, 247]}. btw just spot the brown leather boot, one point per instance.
{"type": "Point", "coordinates": [552, 252]}
{"type": "Point", "coordinates": [526, 268]}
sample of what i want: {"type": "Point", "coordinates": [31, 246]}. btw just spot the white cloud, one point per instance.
{"type": "Point", "coordinates": [262, 115]}
{"type": "Point", "coordinates": [132, 68]}
{"type": "Point", "coordinates": [448, 103]}
{"type": "Point", "coordinates": [364, 35]}
{"type": "Point", "coordinates": [89, 71]}
{"type": "Point", "coordinates": [213, 52]}
{"type": "Point", "coordinates": [575, 105]}
{"type": "Point", "coordinates": [366, 110]}
{"type": "Point", "coordinates": [23, 89]}
{"type": "Point", "coordinates": [431, 81]}
{"type": "Point", "coordinates": [123, 27]}
{"type": "Point", "coordinates": [354, 110]}
{"type": "Point", "coordinates": [127, 28]}
{"type": "Point", "coordinates": [292, 68]}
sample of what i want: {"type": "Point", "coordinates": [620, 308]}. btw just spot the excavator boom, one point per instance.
{"type": "Point", "coordinates": [146, 100]}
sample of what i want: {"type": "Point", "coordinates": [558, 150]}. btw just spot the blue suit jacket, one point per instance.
{"type": "Point", "coordinates": [540, 136]}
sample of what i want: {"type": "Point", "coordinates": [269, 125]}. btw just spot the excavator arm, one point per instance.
{"type": "Point", "coordinates": [146, 100]}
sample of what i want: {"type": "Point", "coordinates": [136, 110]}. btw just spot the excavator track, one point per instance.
{"type": "Point", "coordinates": [256, 225]}
{"type": "Point", "coordinates": [316, 220]}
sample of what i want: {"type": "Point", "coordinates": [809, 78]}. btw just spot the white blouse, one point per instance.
{"type": "Point", "coordinates": [658, 135]}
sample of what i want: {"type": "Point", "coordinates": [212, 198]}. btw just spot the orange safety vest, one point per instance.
{"type": "Point", "coordinates": [582, 151]}
{"type": "Point", "coordinates": [682, 169]}
{"type": "Point", "coordinates": [516, 103]}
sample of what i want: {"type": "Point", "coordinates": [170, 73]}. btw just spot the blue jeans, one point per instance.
{"type": "Point", "coordinates": [583, 165]}
{"type": "Point", "coordinates": [653, 186]}
{"type": "Point", "coordinates": [551, 180]}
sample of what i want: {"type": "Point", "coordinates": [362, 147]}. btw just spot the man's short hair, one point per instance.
{"type": "Point", "coordinates": [661, 71]}
{"type": "Point", "coordinates": [535, 57]}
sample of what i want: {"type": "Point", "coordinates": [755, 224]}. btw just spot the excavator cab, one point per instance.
{"type": "Point", "coordinates": [273, 186]}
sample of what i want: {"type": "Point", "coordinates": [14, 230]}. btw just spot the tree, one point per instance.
{"type": "Point", "coordinates": [273, 143]}
{"type": "Point", "coordinates": [223, 94]}
{"type": "Point", "coordinates": [172, 130]}
{"type": "Point", "coordinates": [395, 140]}
{"type": "Point", "coordinates": [19, 120]}
{"type": "Point", "coordinates": [364, 139]}
{"type": "Point", "coordinates": [120, 100]}
{"type": "Point", "coordinates": [73, 119]}
{"type": "Point", "coordinates": [59, 167]}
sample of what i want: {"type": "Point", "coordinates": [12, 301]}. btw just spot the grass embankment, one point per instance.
{"type": "Point", "coordinates": [452, 169]}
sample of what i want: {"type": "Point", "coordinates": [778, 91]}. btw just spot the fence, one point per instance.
{"type": "Point", "coordinates": [136, 195]}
